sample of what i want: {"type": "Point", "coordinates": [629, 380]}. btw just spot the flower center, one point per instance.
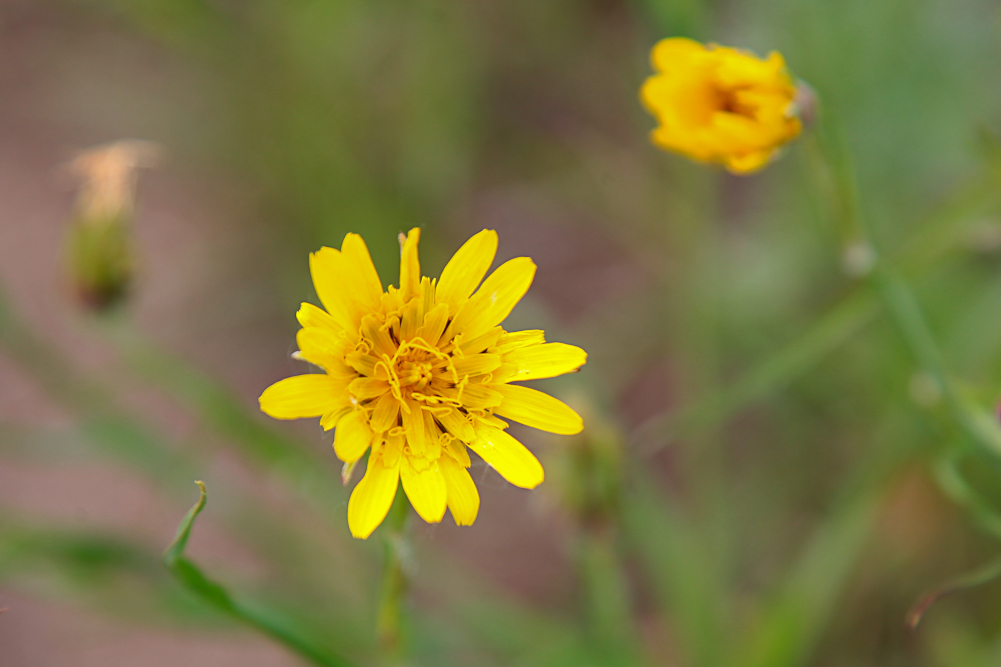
{"type": "Point", "coordinates": [728, 100]}
{"type": "Point", "coordinates": [413, 365]}
{"type": "Point", "coordinates": [414, 373]}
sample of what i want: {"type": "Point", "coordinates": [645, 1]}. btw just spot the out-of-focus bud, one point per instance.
{"type": "Point", "coordinates": [805, 103]}
{"type": "Point", "coordinates": [100, 256]}
{"type": "Point", "coordinates": [925, 390]}
{"type": "Point", "coordinates": [859, 258]}
{"type": "Point", "coordinates": [586, 472]}
{"type": "Point", "coordinates": [984, 237]}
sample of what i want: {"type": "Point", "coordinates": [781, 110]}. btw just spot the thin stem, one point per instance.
{"type": "Point", "coordinates": [935, 237]}
{"type": "Point", "coordinates": [395, 580]}
{"type": "Point", "coordinates": [609, 615]}
{"type": "Point", "coordinates": [903, 306]}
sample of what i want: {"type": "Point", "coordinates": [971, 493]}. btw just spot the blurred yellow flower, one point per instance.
{"type": "Point", "coordinates": [420, 373]}
{"type": "Point", "coordinates": [718, 104]}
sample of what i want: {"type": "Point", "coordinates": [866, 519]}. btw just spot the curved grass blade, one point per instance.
{"type": "Point", "coordinates": [269, 621]}
{"type": "Point", "coordinates": [978, 577]}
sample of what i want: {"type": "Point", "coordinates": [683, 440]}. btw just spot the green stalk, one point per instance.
{"type": "Point", "coordinates": [902, 304]}
{"type": "Point", "coordinates": [608, 609]}
{"type": "Point", "coordinates": [395, 580]}
{"type": "Point", "coordinates": [936, 236]}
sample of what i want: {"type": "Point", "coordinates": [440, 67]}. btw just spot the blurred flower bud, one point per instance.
{"type": "Point", "coordinates": [805, 104]}
{"type": "Point", "coordinates": [859, 259]}
{"type": "Point", "coordinates": [100, 258]}
{"type": "Point", "coordinates": [586, 473]}
{"type": "Point", "coordinates": [984, 237]}
{"type": "Point", "coordinates": [925, 390]}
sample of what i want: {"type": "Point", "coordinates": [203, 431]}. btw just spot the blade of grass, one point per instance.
{"type": "Point", "coordinates": [678, 561]}
{"type": "Point", "coordinates": [832, 330]}
{"type": "Point", "coordinates": [793, 623]}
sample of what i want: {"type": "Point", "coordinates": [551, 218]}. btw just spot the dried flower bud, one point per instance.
{"type": "Point", "coordinates": [100, 257]}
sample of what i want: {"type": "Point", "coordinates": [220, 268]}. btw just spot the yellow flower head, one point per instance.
{"type": "Point", "coordinates": [717, 104]}
{"type": "Point", "coordinates": [421, 373]}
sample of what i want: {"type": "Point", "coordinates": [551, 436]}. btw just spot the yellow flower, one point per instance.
{"type": "Point", "coordinates": [717, 104]}
{"type": "Point", "coordinates": [421, 373]}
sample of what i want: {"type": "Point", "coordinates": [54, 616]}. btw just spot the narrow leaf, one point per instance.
{"type": "Point", "coordinates": [269, 621]}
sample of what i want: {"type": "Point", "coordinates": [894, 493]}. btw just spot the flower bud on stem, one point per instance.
{"type": "Point", "coordinates": [99, 242]}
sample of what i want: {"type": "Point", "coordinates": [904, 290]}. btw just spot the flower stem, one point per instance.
{"type": "Point", "coordinates": [899, 299]}
{"type": "Point", "coordinates": [395, 580]}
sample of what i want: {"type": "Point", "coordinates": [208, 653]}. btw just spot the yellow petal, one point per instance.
{"type": "Point", "coordinates": [426, 490]}
{"type": "Point", "coordinates": [410, 320]}
{"type": "Point", "coordinates": [467, 267]}
{"type": "Point", "coordinates": [544, 361]}
{"type": "Point", "coordinates": [514, 339]}
{"type": "Point", "coordinates": [668, 52]}
{"type": "Point", "coordinates": [311, 316]}
{"type": "Point", "coordinates": [323, 347]}
{"type": "Point", "coordinates": [496, 298]}
{"type": "Point", "coordinates": [480, 343]}
{"type": "Point", "coordinates": [476, 364]}
{"type": "Point", "coordinates": [458, 425]}
{"type": "Point", "coordinates": [749, 162]}
{"type": "Point", "coordinates": [426, 297]}
{"type": "Point", "coordinates": [432, 436]}
{"type": "Point", "coordinates": [463, 498]}
{"type": "Point", "coordinates": [434, 324]}
{"type": "Point", "coordinates": [331, 419]}
{"type": "Point", "coordinates": [387, 410]}
{"type": "Point", "coordinates": [377, 333]}
{"type": "Point", "coordinates": [413, 424]}
{"type": "Point", "coordinates": [331, 278]}
{"type": "Point", "coordinates": [538, 410]}
{"type": "Point", "coordinates": [410, 265]}
{"type": "Point", "coordinates": [364, 388]}
{"type": "Point", "coordinates": [457, 451]}
{"type": "Point", "coordinates": [303, 396]}
{"type": "Point", "coordinates": [365, 364]}
{"type": "Point", "coordinates": [508, 457]}
{"type": "Point", "coordinates": [478, 397]}
{"type": "Point", "coordinates": [372, 498]}
{"type": "Point", "coordinates": [368, 284]}
{"type": "Point", "coordinates": [352, 436]}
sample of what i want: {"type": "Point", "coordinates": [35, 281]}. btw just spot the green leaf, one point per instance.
{"type": "Point", "coordinates": [274, 623]}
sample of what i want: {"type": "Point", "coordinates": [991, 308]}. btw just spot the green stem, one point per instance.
{"type": "Point", "coordinates": [395, 580]}
{"type": "Point", "coordinates": [607, 605]}
{"type": "Point", "coordinates": [935, 237]}
{"type": "Point", "coordinates": [904, 308]}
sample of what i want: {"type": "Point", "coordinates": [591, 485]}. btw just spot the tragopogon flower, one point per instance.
{"type": "Point", "coordinates": [718, 104]}
{"type": "Point", "coordinates": [420, 373]}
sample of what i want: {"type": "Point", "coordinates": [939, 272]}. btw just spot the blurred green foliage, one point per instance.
{"type": "Point", "coordinates": [825, 449]}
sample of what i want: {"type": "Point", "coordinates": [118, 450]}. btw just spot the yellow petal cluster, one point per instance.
{"type": "Point", "coordinates": [420, 374]}
{"type": "Point", "coordinates": [718, 104]}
